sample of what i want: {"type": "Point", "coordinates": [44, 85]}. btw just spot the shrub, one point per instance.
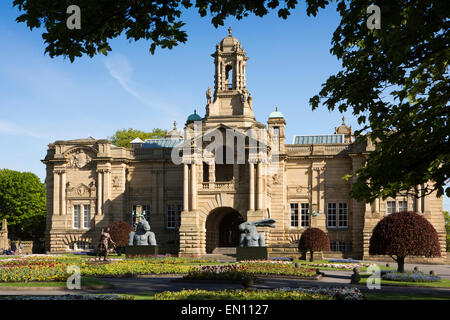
{"type": "Point", "coordinates": [403, 234]}
{"type": "Point", "coordinates": [313, 239]}
{"type": "Point", "coordinates": [119, 232]}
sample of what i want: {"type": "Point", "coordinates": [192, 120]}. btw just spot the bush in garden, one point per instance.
{"type": "Point", "coordinates": [313, 239]}
{"type": "Point", "coordinates": [403, 234]}
{"type": "Point", "coordinates": [119, 232]}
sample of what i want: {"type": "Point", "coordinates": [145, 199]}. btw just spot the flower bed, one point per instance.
{"type": "Point", "coordinates": [266, 261]}
{"type": "Point", "coordinates": [220, 272]}
{"type": "Point", "coordinates": [339, 265]}
{"type": "Point", "coordinates": [277, 294]}
{"type": "Point", "coordinates": [343, 261]}
{"type": "Point", "coordinates": [34, 269]}
{"type": "Point", "coordinates": [126, 268]}
{"type": "Point", "coordinates": [278, 268]}
{"type": "Point", "coordinates": [412, 276]}
{"type": "Point", "coordinates": [71, 297]}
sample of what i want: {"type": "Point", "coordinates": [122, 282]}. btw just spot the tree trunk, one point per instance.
{"type": "Point", "coordinates": [401, 264]}
{"type": "Point", "coordinates": [311, 256]}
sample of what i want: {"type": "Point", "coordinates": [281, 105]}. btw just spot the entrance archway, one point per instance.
{"type": "Point", "coordinates": [222, 228]}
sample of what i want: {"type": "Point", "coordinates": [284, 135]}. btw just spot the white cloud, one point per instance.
{"type": "Point", "coordinates": [120, 69]}
{"type": "Point", "coordinates": [9, 128]}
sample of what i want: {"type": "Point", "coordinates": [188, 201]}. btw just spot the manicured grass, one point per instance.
{"type": "Point", "coordinates": [403, 296]}
{"type": "Point", "coordinates": [443, 283]}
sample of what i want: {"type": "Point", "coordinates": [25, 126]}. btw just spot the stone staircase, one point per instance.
{"type": "Point", "coordinates": [222, 254]}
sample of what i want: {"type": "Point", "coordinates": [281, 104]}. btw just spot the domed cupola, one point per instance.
{"type": "Point", "coordinates": [276, 114]}
{"type": "Point", "coordinates": [230, 43]}
{"type": "Point", "coordinates": [193, 117]}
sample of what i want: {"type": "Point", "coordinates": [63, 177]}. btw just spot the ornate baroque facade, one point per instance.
{"type": "Point", "coordinates": [194, 205]}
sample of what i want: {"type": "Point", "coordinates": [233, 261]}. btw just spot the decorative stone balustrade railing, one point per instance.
{"type": "Point", "coordinates": [306, 150]}
{"type": "Point", "coordinates": [218, 186]}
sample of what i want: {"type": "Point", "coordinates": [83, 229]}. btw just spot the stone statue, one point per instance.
{"type": "Point", "coordinates": [250, 100]}
{"type": "Point", "coordinates": [208, 95]}
{"type": "Point", "coordinates": [250, 236]}
{"type": "Point", "coordinates": [142, 236]}
{"type": "Point", "coordinates": [105, 244]}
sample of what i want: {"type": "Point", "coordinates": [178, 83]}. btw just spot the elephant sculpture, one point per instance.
{"type": "Point", "coordinates": [250, 236]}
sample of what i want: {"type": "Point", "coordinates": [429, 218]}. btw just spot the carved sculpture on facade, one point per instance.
{"type": "Point", "coordinates": [250, 100]}
{"type": "Point", "coordinates": [250, 236]}
{"type": "Point", "coordinates": [116, 183]}
{"type": "Point", "coordinates": [79, 159]}
{"type": "Point", "coordinates": [208, 96]}
{"type": "Point", "coordinates": [276, 179]}
{"type": "Point", "coordinates": [142, 236]}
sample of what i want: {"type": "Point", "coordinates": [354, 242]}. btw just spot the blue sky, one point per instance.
{"type": "Point", "coordinates": [44, 99]}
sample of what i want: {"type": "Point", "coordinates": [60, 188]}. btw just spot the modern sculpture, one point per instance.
{"type": "Point", "coordinates": [250, 236]}
{"type": "Point", "coordinates": [142, 236]}
{"type": "Point", "coordinates": [252, 244]}
{"type": "Point", "coordinates": [105, 245]}
{"type": "Point", "coordinates": [142, 241]}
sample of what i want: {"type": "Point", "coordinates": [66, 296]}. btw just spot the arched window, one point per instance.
{"type": "Point", "coordinates": [229, 76]}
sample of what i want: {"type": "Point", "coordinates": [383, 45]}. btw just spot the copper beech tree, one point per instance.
{"type": "Point", "coordinates": [403, 234]}
{"type": "Point", "coordinates": [119, 232]}
{"type": "Point", "coordinates": [313, 239]}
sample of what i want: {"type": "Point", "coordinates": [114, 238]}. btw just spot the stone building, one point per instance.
{"type": "Point", "coordinates": [194, 197]}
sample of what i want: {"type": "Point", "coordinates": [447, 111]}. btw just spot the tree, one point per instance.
{"type": "Point", "coordinates": [119, 232]}
{"type": "Point", "coordinates": [313, 239]}
{"type": "Point", "coordinates": [394, 79]}
{"type": "Point", "coordinates": [23, 204]}
{"type": "Point", "coordinates": [122, 138]}
{"type": "Point", "coordinates": [403, 234]}
{"type": "Point", "coordinates": [447, 229]}
{"type": "Point", "coordinates": [158, 21]}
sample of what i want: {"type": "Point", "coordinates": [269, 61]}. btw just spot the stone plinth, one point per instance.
{"type": "Point", "coordinates": [251, 253]}
{"type": "Point", "coordinates": [141, 250]}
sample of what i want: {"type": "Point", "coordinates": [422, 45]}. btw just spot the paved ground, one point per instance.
{"type": "Point", "coordinates": [158, 284]}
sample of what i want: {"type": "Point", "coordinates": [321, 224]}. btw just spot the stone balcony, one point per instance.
{"type": "Point", "coordinates": [217, 186]}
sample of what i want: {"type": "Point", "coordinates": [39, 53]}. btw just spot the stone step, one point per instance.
{"type": "Point", "coordinates": [225, 250]}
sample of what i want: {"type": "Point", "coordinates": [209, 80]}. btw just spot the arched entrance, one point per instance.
{"type": "Point", "coordinates": [222, 228]}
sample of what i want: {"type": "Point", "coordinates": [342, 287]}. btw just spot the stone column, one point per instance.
{"type": "Point", "coordinates": [63, 193]}
{"type": "Point", "coordinates": [56, 192]}
{"type": "Point", "coordinates": [154, 207]}
{"type": "Point", "coordinates": [185, 188]}
{"type": "Point", "coordinates": [259, 186]}
{"type": "Point", "coordinates": [193, 187]}
{"type": "Point", "coordinates": [321, 189]}
{"type": "Point", "coordinates": [419, 200]}
{"type": "Point", "coordinates": [99, 192]}
{"type": "Point", "coordinates": [251, 205]}
{"type": "Point", "coordinates": [105, 198]}
{"type": "Point", "coordinates": [236, 174]}
{"type": "Point", "coordinates": [212, 171]}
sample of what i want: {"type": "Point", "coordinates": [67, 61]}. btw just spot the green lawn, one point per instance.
{"type": "Point", "coordinates": [443, 283]}
{"type": "Point", "coordinates": [403, 296]}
